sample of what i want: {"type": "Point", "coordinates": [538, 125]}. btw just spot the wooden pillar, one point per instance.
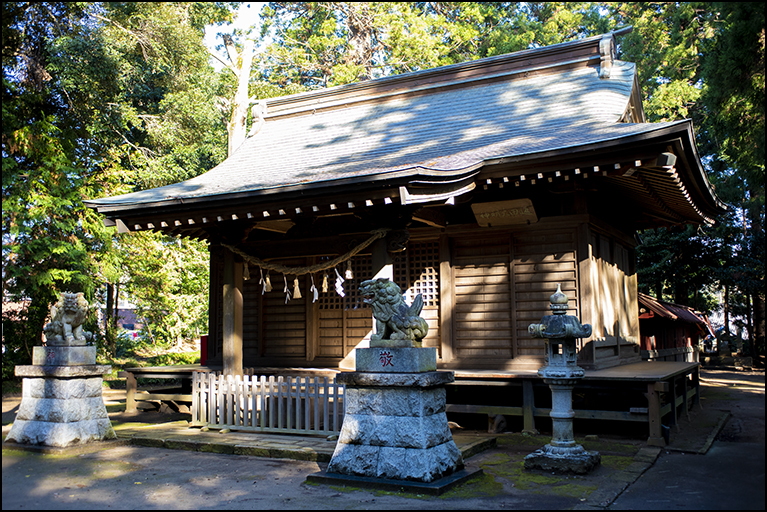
{"type": "Point", "coordinates": [232, 320]}
{"type": "Point", "coordinates": [528, 407]}
{"type": "Point", "coordinates": [446, 300]}
{"type": "Point", "coordinates": [214, 301]}
{"type": "Point", "coordinates": [131, 385]}
{"type": "Point", "coordinates": [312, 321]}
{"type": "Point", "coordinates": [653, 413]}
{"type": "Point", "coordinates": [383, 265]}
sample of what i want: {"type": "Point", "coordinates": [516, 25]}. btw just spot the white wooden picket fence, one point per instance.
{"type": "Point", "coordinates": [284, 404]}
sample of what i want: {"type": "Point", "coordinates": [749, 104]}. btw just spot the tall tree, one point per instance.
{"type": "Point", "coordinates": [705, 61]}
{"type": "Point", "coordinates": [733, 71]}
{"type": "Point", "coordinates": [51, 241]}
{"type": "Point", "coordinates": [98, 99]}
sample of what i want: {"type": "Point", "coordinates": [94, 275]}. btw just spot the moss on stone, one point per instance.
{"type": "Point", "coordinates": [496, 458]}
{"type": "Point", "coordinates": [608, 446]}
{"type": "Point", "coordinates": [573, 490]}
{"type": "Point", "coordinates": [617, 462]}
{"type": "Point", "coordinates": [479, 487]}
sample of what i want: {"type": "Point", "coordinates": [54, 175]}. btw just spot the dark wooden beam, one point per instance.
{"type": "Point", "coordinates": [232, 314]}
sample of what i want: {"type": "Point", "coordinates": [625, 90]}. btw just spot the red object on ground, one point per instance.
{"type": "Point", "coordinates": [203, 348]}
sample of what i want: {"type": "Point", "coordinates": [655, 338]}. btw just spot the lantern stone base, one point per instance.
{"type": "Point", "coordinates": [563, 460]}
{"type": "Point", "coordinates": [395, 428]}
{"type": "Point", "coordinates": [61, 406]}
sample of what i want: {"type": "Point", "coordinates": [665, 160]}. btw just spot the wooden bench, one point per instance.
{"type": "Point", "coordinates": [182, 394]}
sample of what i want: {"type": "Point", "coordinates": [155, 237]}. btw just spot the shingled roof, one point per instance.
{"type": "Point", "coordinates": [442, 126]}
{"type": "Point", "coordinates": [650, 307]}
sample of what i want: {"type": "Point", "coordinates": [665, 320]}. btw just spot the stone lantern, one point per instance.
{"type": "Point", "coordinates": [561, 374]}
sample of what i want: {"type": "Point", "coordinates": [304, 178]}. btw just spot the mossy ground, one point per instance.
{"type": "Point", "coordinates": [503, 471]}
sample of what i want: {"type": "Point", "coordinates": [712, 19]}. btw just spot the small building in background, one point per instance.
{"type": "Point", "coordinates": [126, 317]}
{"type": "Point", "coordinates": [670, 332]}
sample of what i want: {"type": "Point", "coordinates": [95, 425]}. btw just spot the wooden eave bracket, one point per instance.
{"type": "Point", "coordinates": [606, 55]}
{"type": "Point", "coordinates": [430, 216]}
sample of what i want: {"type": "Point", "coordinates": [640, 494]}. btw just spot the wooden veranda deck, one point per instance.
{"type": "Point", "coordinates": [670, 389]}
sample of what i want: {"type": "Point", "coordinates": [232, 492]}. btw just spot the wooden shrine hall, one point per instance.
{"type": "Point", "coordinates": [480, 185]}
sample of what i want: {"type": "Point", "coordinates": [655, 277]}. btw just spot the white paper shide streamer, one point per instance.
{"type": "Point", "coordinates": [340, 284]}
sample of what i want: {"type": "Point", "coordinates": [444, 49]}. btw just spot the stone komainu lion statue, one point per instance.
{"type": "Point", "coordinates": [67, 317]}
{"type": "Point", "coordinates": [397, 324]}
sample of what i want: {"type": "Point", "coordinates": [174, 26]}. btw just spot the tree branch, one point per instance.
{"type": "Point", "coordinates": [226, 65]}
{"type": "Point", "coordinates": [139, 38]}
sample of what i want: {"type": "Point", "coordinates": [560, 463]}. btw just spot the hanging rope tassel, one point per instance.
{"type": "Point", "coordinates": [325, 284]}
{"type": "Point", "coordinates": [313, 289]}
{"type": "Point", "coordinates": [349, 274]}
{"type": "Point", "coordinates": [296, 289]}
{"type": "Point", "coordinates": [340, 284]}
{"type": "Point", "coordinates": [245, 271]}
{"type": "Point", "coordinates": [268, 283]}
{"type": "Point", "coordinates": [286, 290]}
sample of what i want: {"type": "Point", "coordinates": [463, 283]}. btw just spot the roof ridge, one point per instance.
{"type": "Point", "coordinates": [488, 68]}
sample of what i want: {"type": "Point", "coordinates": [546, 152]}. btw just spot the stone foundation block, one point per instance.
{"type": "Point", "coordinates": [395, 427]}
{"type": "Point", "coordinates": [557, 460]}
{"type": "Point", "coordinates": [398, 402]}
{"type": "Point", "coordinates": [64, 389]}
{"type": "Point", "coordinates": [396, 463]}
{"type": "Point", "coordinates": [63, 356]}
{"type": "Point", "coordinates": [63, 409]}
{"type": "Point", "coordinates": [60, 435]}
{"type": "Point", "coordinates": [355, 459]}
{"type": "Point", "coordinates": [396, 431]}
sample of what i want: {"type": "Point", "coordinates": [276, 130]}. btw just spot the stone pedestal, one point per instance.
{"type": "Point", "coordinates": [62, 405]}
{"type": "Point", "coordinates": [395, 427]}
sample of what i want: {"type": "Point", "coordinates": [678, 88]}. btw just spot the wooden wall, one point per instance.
{"type": "Point", "coordinates": [503, 281]}
{"type": "Point", "coordinates": [482, 288]}
{"type": "Point", "coordinates": [344, 322]}
{"type": "Point", "coordinates": [609, 288]}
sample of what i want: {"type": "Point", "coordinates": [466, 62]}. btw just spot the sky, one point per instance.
{"type": "Point", "coordinates": [247, 16]}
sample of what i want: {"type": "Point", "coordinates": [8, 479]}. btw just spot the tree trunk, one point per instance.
{"type": "Point", "coordinates": [37, 313]}
{"type": "Point", "coordinates": [725, 335]}
{"type": "Point", "coordinates": [759, 342]}
{"type": "Point", "coordinates": [237, 126]}
{"type": "Point", "coordinates": [110, 329]}
{"type": "Point", "coordinates": [360, 22]}
{"type": "Point", "coordinates": [109, 313]}
{"type": "Point", "coordinates": [116, 311]}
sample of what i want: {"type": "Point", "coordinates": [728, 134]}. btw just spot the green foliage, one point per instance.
{"type": "Point", "coordinates": [706, 61]}
{"type": "Point", "coordinates": [168, 282]}
{"type": "Point", "coordinates": [666, 44]}
{"type": "Point", "coordinates": [319, 44]}
{"type": "Point", "coordinates": [98, 99]}
{"type": "Point", "coordinates": [677, 264]}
